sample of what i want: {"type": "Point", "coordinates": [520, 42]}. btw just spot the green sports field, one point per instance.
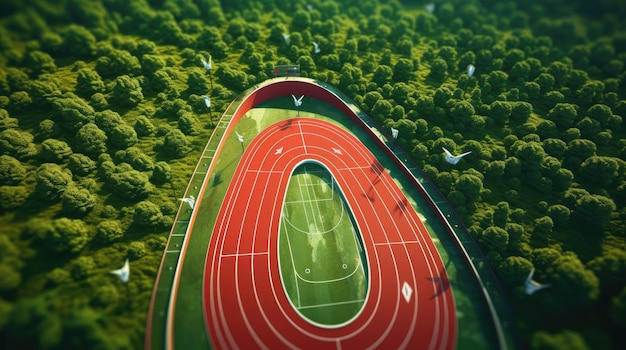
{"type": "Point", "coordinates": [322, 260]}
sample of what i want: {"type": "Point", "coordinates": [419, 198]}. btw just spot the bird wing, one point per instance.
{"type": "Point", "coordinates": [464, 154]}
{"type": "Point", "coordinates": [294, 98]}
{"type": "Point", "coordinates": [300, 99]}
{"type": "Point", "coordinates": [447, 152]}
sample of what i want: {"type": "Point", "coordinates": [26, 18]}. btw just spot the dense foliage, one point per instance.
{"type": "Point", "coordinates": [101, 121]}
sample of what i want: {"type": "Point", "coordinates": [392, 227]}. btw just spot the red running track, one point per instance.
{"type": "Point", "coordinates": [245, 304]}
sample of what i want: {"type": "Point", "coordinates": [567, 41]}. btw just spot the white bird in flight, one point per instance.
{"type": "Point", "coordinates": [123, 273]}
{"type": "Point", "coordinates": [286, 37]}
{"type": "Point", "coordinates": [430, 7]}
{"type": "Point", "coordinates": [533, 286]}
{"type": "Point", "coordinates": [207, 101]}
{"type": "Point", "coordinates": [207, 65]}
{"type": "Point", "coordinates": [191, 200]}
{"type": "Point", "coordinates": [394, 133]}
{"type": "Point", "coordinates": [297, 101]}
{"type": "Point", "coordinates": [470, 70]}
{"type": "Point", "coordinates": [454, 159]}
{"type": "Point", "coordinates": [316, 47]}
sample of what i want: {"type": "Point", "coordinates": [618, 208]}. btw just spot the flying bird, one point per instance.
{"type": "Point", "coordinates": [454, 159]}
{"type": "Point", "coordinates": [297, 101]}
{"type": "Point", "coordinates": [531, 286]}
{"type": "Point", "coordinates": [394, 133]}
{"type": "Point", "coordinates": [207, 65]}
{"type": "Point", "coordinates": [430, 7]}
{"type": "Point", "coordinates": [316, 47]}
{"type": "Point", "coordinates": [191, 200]}
{"type": "Point", "coordinates": [470, 70]}
{"type": "Point", "coordinates": [207, 101]}
{"type": "Point", "coordinates": [286, 37]}
{"type": "Point", "coordinates": [123, 273]}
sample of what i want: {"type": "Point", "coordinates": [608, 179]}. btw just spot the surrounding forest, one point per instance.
{"type": "Point", "coordinates": [102, 121]}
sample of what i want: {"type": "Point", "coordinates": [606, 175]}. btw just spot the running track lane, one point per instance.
{"type": "Point", "coordinates": [244, 301]}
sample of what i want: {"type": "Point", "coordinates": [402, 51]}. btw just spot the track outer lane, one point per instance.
{"type": "Point", "coordinates": [244, 302]}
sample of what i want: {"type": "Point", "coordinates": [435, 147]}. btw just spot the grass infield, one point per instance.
{"type": "Point", "coordinates": [322, 260]}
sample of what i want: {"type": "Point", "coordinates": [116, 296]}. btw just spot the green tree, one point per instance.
{"type": "Point", "coordinates": [554, 147]}
{"type": "Point", "coordinates": [81, 165]}
{"type": "Point", "coordinates": [91, 140]}
{"type": "Point", "coordinates": [12, 172]}
{"type": "Point", "coordinates": [438, 69]}
{"type": "Point", "coordinates": [78, 41]}
{"type": "Point", "coordinates": [122, 136]}
{"type": "Point", "coordinates": [403, 70]}
{"type": "Point", "coordinates": [521, 111]}
{"type": "Point", "coordinates": [73, 111]}
{"type": "Point", "coordinates": [543, 227]}
{"type": "Point", "coordinates": [470, 185]}
{"type": "Point", "coordinates": [514, 269]}
{"type": "Point", "coordinates": [34, 323]}
{"type": "Point", "coordinates": [39, 62]}
{"type": "Point", "coordinates": [162, 173]}
{"type": "Point", "coordinates": [109, 231]}
{"type": "Point", "coordinates": [12, 197]}
{"type": "Point", "coordinates": [77, 200]}
{"type": "Point", "coordinates": [495, 238]}
{"type": "Point", "coordinates": [17, 143]}
{"type": "Point", "coordinates": [127, 91]}
{"type": "Point", "coordinates": [601, 170]}
{"type": "Point", "coordinates": [563, 114]}
{"type": "Point", "coordinates": [63, 235]}
{"type": "Point", "coordinates": [382, 109]}
{"type": "Point", "coordinates": [501, 214]}
{"type": "Point", "coordinates": [51, 181]}
{"type": "Point", "coordinates": [136, 158]}
{"type": "Point", "coordinates": [84, 329]}
{"type": "Point", "coordinates": [55, 151]}
{"type": "Point", "coordinates": [136, 250]}
{"type": "Point", "coordinates": [144, 127]}
{"type": "Point", "coordinates": [131, 184]}
{"type": "Point", "coordinates": [559, 213]}
{"type": "Point", "coordinates": [147, 214]}
{"type": "Point", "coordinates": [88, 82]}
{"type": "Point", "coordinates": [9, 277]}
{"type": "Point", "coordinates": [117, 63]}
{"type": "Point", "coordinates": [83, 267]}
{"type": "Point", "coordinates": [610, 267]}
{"type": "Point", "coordinates": [575, 286]}
{"type": "Point", "coordinates": [530, 153]}
{"type": "Point", "coordinates": [500, 111]}
{"type": "Point", "coordinates": [382, 75]}
{"type": "Point", "coordinates": [107, 120]}
{"type": "Point", "coordinates": [595, 209]}
{"type": "Point", "coordinates": [497, 81]}
{"type": "Point", "coordinates": [175, 144]}
{"type": "Point", "coordinates": [462, 111]}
